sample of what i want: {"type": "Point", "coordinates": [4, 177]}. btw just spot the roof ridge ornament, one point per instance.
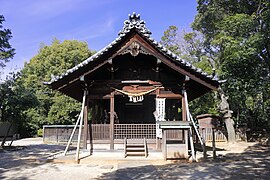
{"type": "Point", "coordinates": [134, 17]}
{"type": "Point", "coordinates": [135, 22]}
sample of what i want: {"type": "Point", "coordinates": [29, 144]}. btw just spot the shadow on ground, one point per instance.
{"type": "Point", "coordinates": [28, 162]}
{"type": "Point", "coordinates": [25, 157]}
{"type": "Point", "coordinates": [253, 163]}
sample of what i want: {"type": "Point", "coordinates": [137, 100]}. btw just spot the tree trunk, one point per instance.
{"type": "Point", "coordinates": [227, 116]}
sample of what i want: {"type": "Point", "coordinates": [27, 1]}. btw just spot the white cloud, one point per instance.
{"type": "Point", "coordinates": [90, 31]}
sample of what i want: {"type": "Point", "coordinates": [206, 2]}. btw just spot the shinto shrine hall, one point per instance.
{"type": "Point", "coordinates": [136, 90]}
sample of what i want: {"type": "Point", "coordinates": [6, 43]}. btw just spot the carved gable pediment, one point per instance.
{"type": "Point", "coordinates": [134, 48]}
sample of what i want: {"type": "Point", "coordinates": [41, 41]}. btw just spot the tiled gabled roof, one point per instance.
{"type": "Point", "coordinates": [134, 22]}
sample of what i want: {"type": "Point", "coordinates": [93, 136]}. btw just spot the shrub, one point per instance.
{"type": "Point", "coordinates": [40, 132]}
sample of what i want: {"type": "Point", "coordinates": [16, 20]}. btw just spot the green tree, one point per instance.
{"type": "Point", "coordinates": [193, 50]}
{"type": "Point", "coordinates": [6, 51]}
{"type": "Point", "coordinates": [189, 46]}
{"type": "Point", "coordinates": [14, 101]}
{"type": "Point", "coordinates": [170, 40]}
{"type": "Point", "coordinates": [237, 35]}
{"type": "Point", "coordinates": [52, 107]}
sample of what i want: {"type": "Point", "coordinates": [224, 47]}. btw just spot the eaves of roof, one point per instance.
{"type": "Point", "coordinates": [134, 23]}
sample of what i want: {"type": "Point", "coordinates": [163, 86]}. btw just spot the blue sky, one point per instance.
{"type": "Point", "coordinates": [97, 22]}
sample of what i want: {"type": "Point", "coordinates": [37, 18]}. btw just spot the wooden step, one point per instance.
{"type": "Point", "coordinates": [135, 149]}
{"type": "Point", "coordinates": [135, 146]}
{"type": "Point", "coordinates": [135, 154]}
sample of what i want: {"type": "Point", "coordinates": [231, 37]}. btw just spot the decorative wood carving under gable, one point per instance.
{"type": "Point", "coordinates": [134, 49]}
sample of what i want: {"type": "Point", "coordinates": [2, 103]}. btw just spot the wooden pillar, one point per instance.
{"type": "Point", "coordinates": [56, 135]}
{"type": "Point", "coordinates": [204, 146]}
{"type": "Point", "coordinates": [184, 131]}
{"type": "Point", "coordinates": [158, 140]}
{"type": "Point", "coordinates": [158, 143]}
{"type": "Point", "coordinates": [85, 122]}
{"type": "Point", "coordinates": [112, 121]}
{"type": "Point", "coordinates": [90, 132]}
{"type": "Point", "coordinates": [164, 144]}
{"type": "Point", "coordinates": [214, 143]}
{"type": "Point", "coordinates": [184, 112]}
{"type": "Point", "coordinates": [44, 134]}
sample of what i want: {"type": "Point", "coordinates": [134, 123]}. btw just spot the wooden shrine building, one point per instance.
{"type": "Point", "coordinates": [135, 82]}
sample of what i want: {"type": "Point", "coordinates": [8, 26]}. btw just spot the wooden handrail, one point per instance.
{"type": "Point", "coordinates": [202, 141]}
{"type": "Point", "coordinates": [190, 118]}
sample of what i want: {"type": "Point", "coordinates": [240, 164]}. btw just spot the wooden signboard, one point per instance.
{"type": "Point", "coordinates": [208, 121]}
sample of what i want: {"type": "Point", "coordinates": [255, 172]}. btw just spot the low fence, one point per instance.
{"type": "Point", "coordinates": [220, 134]}
{"type": "Point", "coordinates": [135, 131]}
{"type": "Point", "coordinates": [58, 133]}
{"type": "Point", "coordinates": [61, 133]}
{"type": "Point", "coordinates": [100, 131]}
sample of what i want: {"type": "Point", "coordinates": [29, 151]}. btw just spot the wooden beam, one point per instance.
{"type": "Point", "coordinates": [137, 88]}
{"type": "Point", "coordinates": [169, 95]}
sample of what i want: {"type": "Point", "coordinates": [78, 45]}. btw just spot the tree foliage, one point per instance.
{"type": "Point", "coordinates": [170, 40]}
{"type": "Point", "coordinates": [51, 107]}
{"type": "Point", "coordinates": [237, 35]}
{"type": "Point", "coordinates": [190, 47]}
{"type": "Point", "coordinates": [233, 38]}
{"type": "Point", "coordinates": [6, 51]}
{"type": "Point", "coordinates": [14, 101]}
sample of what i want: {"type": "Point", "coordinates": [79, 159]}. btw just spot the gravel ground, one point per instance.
{"type": "Point", "coordinates": [29, 161]}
